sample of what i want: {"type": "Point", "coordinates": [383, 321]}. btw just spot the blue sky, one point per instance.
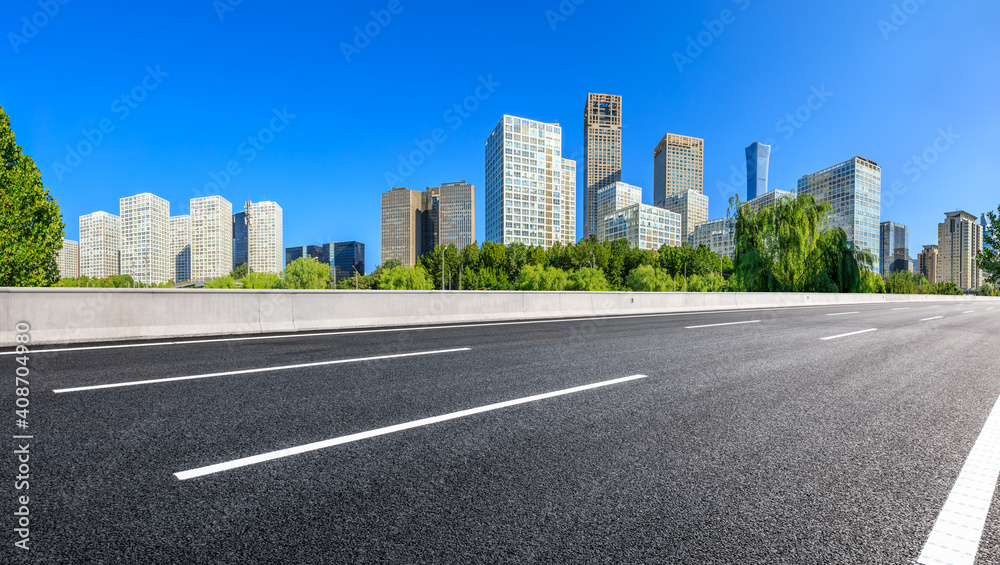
{"type": "Point", "coordinates": [327, 115]}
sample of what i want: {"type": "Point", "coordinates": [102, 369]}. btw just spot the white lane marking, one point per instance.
{"type": "Point", "coordinates": [959, 528]}
{"type": "Point", "coordinates": [969, 312]}
{"type": "Point", "coordinates": [246, 461]}
{"type": "Point", "coordinates": [989, 308]}
{"type": "Point", "coordinates": [410, 329]}
{"type": "Point", "coordinates": [842, 313]}
{"type": "Point", "coordinates": [938, 306]}
{"type": "Point", "coordinates": [934, 318]}
{"type": "Point", "coordinates": [848, 334]}
{"type": "Point", "coordinates": [726, 324]}
{"type": "Point", "coordinates": [894, 309]}
{"type": "Point", "coordinates": [261, 370]}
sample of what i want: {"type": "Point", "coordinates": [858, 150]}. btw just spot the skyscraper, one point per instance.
{"type": "Point", "coordinates": [456, 209]}
{"type": "Point", "coordinates": [530, 188]}
{"type": "Point", "coordinates": [300, 251]}
{"type": "Point", "coordinates": [240, 240]}
{"type": "Point", "coordinates": [854, 189]}
{"type": "Point", "coordinates": [717, 235]}
{"type": "Point", "coordinates": [402, 225]}
{"type": "Point", "coordinates": [894, 249]}
{"type": "Point", "coordinates": [692, 206]}
{"type": "Point", "coordinates": [99, 251]}
{"type": "Point", "coordinates": [678, 166]}
{"type": "Point", "coordinates": [602, 153]}
{"type": "Point", "coordinates": [265, 239]}
{"type": "Point", "coordinates": [180, 248]}
{"type": "Point", "coordinates": [145, 238]}
{"type": "Point", "coordinates": [758, 159]}
{"type": "Point", "coordinates": [345, 258]}
{"type": "Point", "coordinates": [68, 259]}
{"type": "Point", "coordinates": [960, 239]}
{"type": "Point", "coordinates": [614, 197]}
{"type": "Point", "coordinates": [927, 263]}
{"type": "Point", "coordinates": [211, 238]}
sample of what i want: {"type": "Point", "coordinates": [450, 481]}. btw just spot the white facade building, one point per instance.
{"type": "Point", "coordinates": [99, 249]}
{"type": "Point", "coordinates": [644, 226]}
{"type": "Point", "coordinates": [530, 188]}
{"type": "Point", "coordinates": [180, 248]}
{"type": "Point", "coordinates": [68, 259]}
{"type": "Point", "coordinates": [265, 244]}
{"type": "Point", "coordinates": [211, 238]}
{"type": "Point", "coordinates": [145, 238]}
{"type": "Point", "coordinates": [613, 197]}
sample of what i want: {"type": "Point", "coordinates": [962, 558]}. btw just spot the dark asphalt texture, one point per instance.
{"type": "Point", "coordinates": [754, 443]}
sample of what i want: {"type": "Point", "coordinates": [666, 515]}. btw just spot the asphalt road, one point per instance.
{"type": "Point", "coordinates": [754, 442]}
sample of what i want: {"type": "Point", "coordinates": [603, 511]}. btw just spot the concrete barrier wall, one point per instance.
{"type": "Point", "coordinates": [73, 315]}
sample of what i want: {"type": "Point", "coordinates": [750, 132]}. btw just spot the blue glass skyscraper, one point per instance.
{"type": "Point", "coordinates": [758, 158]}
{"type": "Point", "coordinates": [241, 240]}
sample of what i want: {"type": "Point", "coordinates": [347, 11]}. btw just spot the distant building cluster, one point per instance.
{"type": "Point", "coordinates": [345, 258]}
{"type": "Point", "coordinates": [415, 222]}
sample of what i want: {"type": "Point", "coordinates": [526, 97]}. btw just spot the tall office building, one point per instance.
{"type": "Point", "coordinates": [68, 259]}
{"type": "Point", "coordinates": [345, 259]}
{"type": "Point", "coordinates": [613, 197]}
{"type": "Point", "coordinates": [960, 239]}
{"type": "Point", "coordinates": [402, 225]}
{"type": "Point", "coordinates": [602, 153]}
{"type": "Point", "coordinates": [240, 239]}
{"type": "Point", "coordinates": [927, 263]}
{"type": "Point", "coordinates": [530, 188]}
{"type": "Point", "coordinates": [265, 239]}
{"type": "Point", "coordinates": [894, 249]}
{"type": "Point", "coordinates": [211, 238]}
{"type": "Point", "coordinates": [298, 252]}
{"type": "Point", "coordinates": [717, 235]}
{"type": "Point", "coordinates": [758, 159]}
{"type": "Point", "coordinates": [145, 238]}
{"type": "Point", "coordinates": [766, 199]}
{"type": "Point", "coordinates": [692, 207]}
{"type": "Point", "coordinates": [456, 214]}
{"type": "Point", "coordinates": [644, 226]}
{"type": "Point", "coordinates": [854, 189]}
{"type": "Point", "coordinates": [180, 248]}
{"type": "Point", "coordinates": [678, 167]}
{"type": "Point", "coordinates": [99, 251]}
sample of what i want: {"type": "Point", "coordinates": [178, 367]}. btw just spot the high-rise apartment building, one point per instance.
{"type": "Point", "coordinates": [758, 160]}
{"type": "Point", "coordinates": [602, 154]}
{"type": "Point", "coordinates": [854, 189]}
{"type": "Point", "coordinates": [678, 167]}
{"type": "Point", "coordinates": [960, 240]}
{"type": "Point", "coordinates": [240, 239]}
{"type": "Point", "coordinates": [345, 259]}
{"type": "Point", "coordinates": [298, 252]}
{"type": "Point", "coordinates": [99, 251]}
{"type": "Point", "coordinates": [894, 249]}
{"type": "Point", "coordinates": [530, 188]}
{"type": "Point", "coordinates": [211, 238]}
{"type": "Point", "coordinates": [692, 206]}
{"type": "Point", "coordinates": [456, 214]}
{"type": "Point", "coordinates": [145, 238]}
{"type": "Point", "coordinates": [644, 226]}
{"type": "Point", "coordinates": [927, 263]}
{"type": "Point", "coordinates": [613, 197]}
{"type": "Point", "coordinates": [265, 238]}
{"type": "Point", "coordinates": [402, 225]}
{"type": "Point", "coordinates": [180, 248]}
{"type": "Point", "coordinates": [68, 259]}
{"type": "Point", "coordinates": [717, 235]}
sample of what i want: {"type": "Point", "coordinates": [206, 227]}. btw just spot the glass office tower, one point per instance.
{"type": "Point", "coordinates": [894, 253]}
{"type": "Point", "coordinates": [758, 160]}
{"type": "Point", "coordinates": [240, 239]}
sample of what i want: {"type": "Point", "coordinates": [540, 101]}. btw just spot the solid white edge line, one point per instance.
{"type": "Point", "coordinates": [958, 529]}
{"type": "Point", "coordinates": [261, 370]}
{"type": "Point", "coordinates": [895, 309]}
{"type": "Point", "coordinates": [246, 461]}
{"type": "Point", "coordinates": [934, 318]}
{"type": "Point", "coordinates": [842, 313]}
{"type": "Point", "coordinates": [970, 312]}
{"type": "Point", "coordinates": [726, 324]}
{"type": "Point", "coordinates": [413, 328]}
{"type": "Point", "coordinates": [849, 334]}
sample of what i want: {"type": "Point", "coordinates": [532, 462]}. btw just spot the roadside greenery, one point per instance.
{"type": "Point", "coordinates": [989, 259]}
{"type": "Point", "coordinates": [115, 281]}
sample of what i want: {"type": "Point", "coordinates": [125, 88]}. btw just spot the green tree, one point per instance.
{"type": "Point", "coordinates": [989, 258]}
{"type": "Point", "coordinates": [588, 279]}
{"type": "Point", "coordinates": [239, 272]}
{"type": "Point", "coordinates": [306, 273]}
{"type": "Point", "coordinates": [406, 278]}
{"type": "Point", "coordinates": [31, 228]}
{"type": "Point", "coordinates": [221, 282]}
{"type": "Point", "coordinates": [533, 277]}
{"type": "Point", "coordinates": [646, 278]}
{"type": "Point", "coordinates": [872, 282]}
{"type": "Point", "coordinates": [266, 281]}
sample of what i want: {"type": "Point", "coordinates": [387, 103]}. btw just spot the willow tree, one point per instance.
{"type": "Point", "coordinates": [31, 228]}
